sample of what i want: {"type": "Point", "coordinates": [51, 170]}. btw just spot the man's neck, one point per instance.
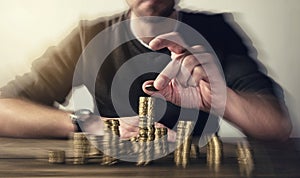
{"type": "Point", "coordinates": [147, 28]}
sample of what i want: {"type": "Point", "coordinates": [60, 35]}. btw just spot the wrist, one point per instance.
{"type": "Point", "coordinates": [79, 117]}
{"type": "Point", "coordinates": [74, 120]}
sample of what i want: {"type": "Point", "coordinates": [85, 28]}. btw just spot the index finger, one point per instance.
{"type": "Point", "coordinates": [169, 72]}
{"type": "Point", "coordinates": [172, 41]}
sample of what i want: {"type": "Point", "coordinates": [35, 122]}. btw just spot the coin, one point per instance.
{"type": "Point", "coordinates": [150, 87]}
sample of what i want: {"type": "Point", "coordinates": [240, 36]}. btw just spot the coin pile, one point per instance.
{"type": "Point", "coordinates": [245, 159]}
{"type": "Point", "coordinates": [183, 143]}
{"type": "Point", "coordinates": [81, 148]}
{"type": "Point", "coordinates": [56, 156]}
{"type": "Point", "coordinates": [111, 142]}
{"type": "Point", "coordinates": [146, 131]}
{"type": "Point", "coordinates": [214, 152]}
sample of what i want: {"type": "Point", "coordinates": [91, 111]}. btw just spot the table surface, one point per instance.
{"type": "Point", "coordinates": [29, 158]}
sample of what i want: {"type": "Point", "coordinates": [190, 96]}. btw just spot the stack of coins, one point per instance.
{"type": "Point", "coordinates": [126, 150]}
{"type": "Point", "coordinates": [161, 147]}
{"type": "Point", "coordinates": [150, 144]}
{"type": "Point", "coordinates": [56, 156]}
{"type": "Point", "coordinates": [183, 143]}
{"type": "Point", "coordinates": [95, 142]}
{"type": "Point", "coordinates": [106, 160]}
{"type": "Point", "coordinates": [135, 147]}
{"type": "Point", "coordinates": [158, 151]}
{"type": "Point", "coordinates": [111, 142]}
{"type": "Point", "coordinates": [164, 141]}
{"type": "Point", "coordinates": [245, 159]}
{"type": "Point", "coordinates": [194, 151]}
{"type": "Point", "coordinates": [115, 140]}
{"type": "Point", "coordinates": [214, 152]}
{"type": "Point", "coordinates": [146, 130]}
{"type": "Point", "coordinates": [81, 148]}
{"type": "Point", "coordinates": [142, 153]}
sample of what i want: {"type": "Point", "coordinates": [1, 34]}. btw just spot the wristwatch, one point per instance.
{"type": "Point", "coordinates": [79, 117]}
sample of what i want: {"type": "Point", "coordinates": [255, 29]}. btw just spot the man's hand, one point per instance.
{"type": "Point", "coordinates": [192, 79]}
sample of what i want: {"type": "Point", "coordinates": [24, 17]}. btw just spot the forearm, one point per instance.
{"type": "Point", "coordinates": [259, 116]}
{"type": "Point", "coordinates": [24, 119]}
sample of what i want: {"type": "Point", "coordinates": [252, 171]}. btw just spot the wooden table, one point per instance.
{"type": "Point", "coordinates": [29, 158]}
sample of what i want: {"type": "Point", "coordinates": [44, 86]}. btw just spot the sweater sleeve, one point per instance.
{"type": "Point", "coordinates": [243, 72]}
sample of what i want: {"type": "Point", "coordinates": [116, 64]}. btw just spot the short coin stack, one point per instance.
{"type": "Point", "coordinates": [146, 131]}
{"type": "Point", "coordinates": [183, 143]}
{"type": "Point", "coordinates": [81, 148]}
{"type": "Point", "coordinates": [214, 152]}
{"type": "Point", "coordinates": [164, 140]}
{"type": "Point", "coordinates": [135, 147]}
{"type": "Point", "coordinates": [157, 143]}
{"type": "Point", "coordinates": [245, 159]}
{"type": "Point", "coordinates": [56, 156]}
{"type": "Point", "coordinates": [161, 147]}
{"type": "Point", "coordinates": [111, 142]}
{"type": "Point", "coordinates": [150, 144]}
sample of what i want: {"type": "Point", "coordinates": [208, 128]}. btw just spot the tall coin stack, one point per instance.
{"type": "Point", "coordinates": [245, 159]}
{"type": "Point", "coordinates": [183, 143]}
{"type": "Point", "coordinates": [81, 148]}
{"type": "Point", "coordinates": [146, 130]}
{"type": "Point", "coordinates": [111, 142]}
{"type": "Point", "coordinates": [214, 153]}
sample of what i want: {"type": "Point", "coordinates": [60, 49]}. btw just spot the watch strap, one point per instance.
{"type": "Point", "coordinates": [74, 118]}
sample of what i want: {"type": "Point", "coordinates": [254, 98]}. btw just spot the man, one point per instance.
{"type": "Point", "coordinates": [253, 101]}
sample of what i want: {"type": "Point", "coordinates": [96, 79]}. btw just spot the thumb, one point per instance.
{"type": "Point", "coordinates": [151, 91]}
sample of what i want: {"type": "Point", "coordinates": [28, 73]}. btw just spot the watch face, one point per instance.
{"type": "Point", "coordinates": [83, 114]}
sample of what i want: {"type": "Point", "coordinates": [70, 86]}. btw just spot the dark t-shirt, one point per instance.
{"type": "Point", "coordinates": [115, 82]}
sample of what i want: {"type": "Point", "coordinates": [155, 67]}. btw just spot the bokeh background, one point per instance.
{"type": "Point", "coordinates": [29, 27]}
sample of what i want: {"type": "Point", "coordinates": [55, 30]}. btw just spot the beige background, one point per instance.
{"type": "Point", "coordinates": [28, 27]}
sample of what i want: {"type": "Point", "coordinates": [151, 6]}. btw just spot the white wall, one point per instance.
{"type": "Point", "coordinates": [28, 27]}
